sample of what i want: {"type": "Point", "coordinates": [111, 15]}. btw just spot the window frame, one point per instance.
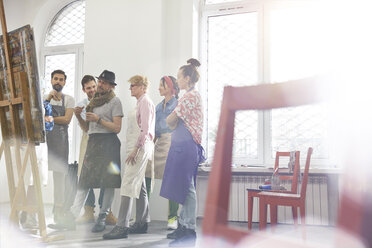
{"type": "Point", "coordinates": [262, 7]}
{"type": "Point", "coordinates": [78, 50]}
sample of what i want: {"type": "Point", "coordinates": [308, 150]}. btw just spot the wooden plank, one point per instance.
{"type": "Point", "coordinates": [6, 103]}
{"type": "Point", "coordinates": [17, 100]}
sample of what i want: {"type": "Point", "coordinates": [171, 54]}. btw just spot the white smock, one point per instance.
{"type": "Point", "coordinates": [133, 175]}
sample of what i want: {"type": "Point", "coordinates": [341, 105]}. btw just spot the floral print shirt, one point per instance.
{"type": "Point", "coordinates": [190, 110]}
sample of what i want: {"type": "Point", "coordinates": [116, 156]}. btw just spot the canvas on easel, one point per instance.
{"type": "Point", "coordinates": [21, 117]}
{"type": "Point", "coordinates": [22, 59]}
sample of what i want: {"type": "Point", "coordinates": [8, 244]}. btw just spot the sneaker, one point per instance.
{"type": "Point", "coordinates": [117, 232]}
{"type": "Point", "coordinates": [177, 233]}
{"type": "Point", "coordinates": [100, 224]}
{"type": "Point", "coordinates": [187, 239]}
{"type": "Point", "coordinates": [138, 228]}
{"type": "Point", "coordinates": [111, 219]}
{"type": "Point", "coordinates": [87, 217]}
{"type": "Point", "coordinates": [172, 223]}
{"type": "Point", "coordinates": [132, 220]}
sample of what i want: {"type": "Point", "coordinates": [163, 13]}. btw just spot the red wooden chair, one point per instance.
{"type": "Point", "coordinates": [275, 199]}
{"type": "Point", "coordinates": [261, 97]}
{"type": "Point", "coordinates": [293, 178]}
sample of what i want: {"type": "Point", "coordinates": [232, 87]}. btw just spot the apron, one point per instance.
{"type": "Point", "coordinates": [161, 150]}
{"type": "Point", "coordinates": [101, 166]}
{"type": "Point", "coordinates": [83, 148]}
{"type": "Point", "coordinates": [57, 141]}
{"type": "Point", "coordinates": [181, 166]}
{"type": "Point", "coordinates": [133, 175]}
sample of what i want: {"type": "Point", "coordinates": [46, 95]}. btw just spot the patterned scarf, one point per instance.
{"type": "Point", "coordinates": [99, 100]}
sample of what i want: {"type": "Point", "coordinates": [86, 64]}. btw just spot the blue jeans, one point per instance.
{"type": "Point", "coordinates": [188, 211]}
{"type": "Point", "coordinates": [91, 199]}
{"type": "Point", "coordinates": [81, 196]}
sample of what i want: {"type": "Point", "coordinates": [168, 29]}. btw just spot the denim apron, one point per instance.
{"type": "Point", "coordinates": [181, 166]}
{"type": "Point", "coordinates": [57, 141]}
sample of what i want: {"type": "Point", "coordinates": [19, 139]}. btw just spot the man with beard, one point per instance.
{"type": "Point", "coordinates": [89, 86]}
{"type": "Point", "coordinates": [57, 140]}
{"type": "Point", "coordinates": [101, 166]}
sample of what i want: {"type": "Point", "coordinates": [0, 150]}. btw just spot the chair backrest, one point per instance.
{"type": "Point", "coordinates": [296, 169]}
{"type": "Point", "coordinates": [306, 173]}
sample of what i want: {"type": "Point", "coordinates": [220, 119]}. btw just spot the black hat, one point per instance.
{"type": "Point", "coordinates": [107, 76]}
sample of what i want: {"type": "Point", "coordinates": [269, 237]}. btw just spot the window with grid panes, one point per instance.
{"type": "Point", "coordinates": [63, 49]}
{"type": "Point", "coordinates": [247, 43]}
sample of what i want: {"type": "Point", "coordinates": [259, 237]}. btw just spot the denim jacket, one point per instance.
{"type": "Point", "coordinates": [162, 114]}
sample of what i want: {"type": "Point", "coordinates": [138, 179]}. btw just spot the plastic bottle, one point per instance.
{"type": "Point", "coordinates": [275, 181]}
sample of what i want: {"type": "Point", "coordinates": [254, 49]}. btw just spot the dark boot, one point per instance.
{"type": "Point", "coordinates": [117, 232]}
{"type": "Point", "coordinates": [179, 231]}
{"type": "Point", "coordinates": [100, 223]}
{"type": "Point", "coordinates": [138, 228]}
{"type": "Point", "coordinates": [187, 239]}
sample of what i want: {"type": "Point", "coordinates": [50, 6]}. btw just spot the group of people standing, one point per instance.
{"type": "Point", "coordinates": [163, 142]}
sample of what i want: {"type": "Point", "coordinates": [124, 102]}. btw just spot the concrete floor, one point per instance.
{"type": "Point", "coordinates": [316, 236]}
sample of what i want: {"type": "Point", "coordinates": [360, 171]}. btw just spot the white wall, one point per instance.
{"type": "Point", "coordinates": [129, 37]}
{"type": "Point", "coordinates": [147, 37]}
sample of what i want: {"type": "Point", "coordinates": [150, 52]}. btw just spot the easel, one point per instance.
{"type": "Point", "coordinates": [16, 100]}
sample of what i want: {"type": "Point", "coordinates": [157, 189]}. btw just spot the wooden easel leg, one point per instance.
{"type": "Point", "coordinates": [39, 199]}
{"type": "Point", "coordinates": [1, 149]}
{"type": "Point", "coordinates": [20, 194]}
{"type": "Point", "coordinates": [9, 170]}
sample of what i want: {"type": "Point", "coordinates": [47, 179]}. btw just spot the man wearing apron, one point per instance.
{"type": "Point", "coordinates": [57, 140]}
{"type": "Point", "coordinates": [89, 86]}
{"type": "Point", "coordinates": [101, 165]}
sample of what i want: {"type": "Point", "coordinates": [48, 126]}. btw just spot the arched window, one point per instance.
{"type": "Point", "coordinates": [63, 48]}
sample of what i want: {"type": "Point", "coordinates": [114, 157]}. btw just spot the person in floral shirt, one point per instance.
{"type": "Point", "coordinates": [185, 154]}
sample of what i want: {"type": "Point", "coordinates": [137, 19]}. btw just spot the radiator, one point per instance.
{"type": "Point", "coordinates": [316, 199]}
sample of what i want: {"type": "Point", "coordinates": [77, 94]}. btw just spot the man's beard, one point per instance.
{"type": "Point", "coordinates": [101, 91]}
{"type": "Point", "coordinates": [57, 87]}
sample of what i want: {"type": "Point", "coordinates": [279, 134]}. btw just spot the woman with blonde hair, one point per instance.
{"type": "Point", "coordinates": [133, 183]}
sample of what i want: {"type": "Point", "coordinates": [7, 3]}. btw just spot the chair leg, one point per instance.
{"type": "Point", "coordinates": [294, 213]}
{"type": "Point", "coordinates": [273, 216]}
{"type": "Point", "coordinates": [250, 212]}
{"type": "Point", "coordinates": [263, 213]}
{"type": "Point", "coordinates": [303, 224]}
